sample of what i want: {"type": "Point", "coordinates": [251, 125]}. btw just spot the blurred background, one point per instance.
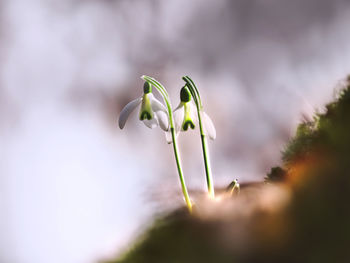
{"type": "Point", "coordinates": [75, 188]}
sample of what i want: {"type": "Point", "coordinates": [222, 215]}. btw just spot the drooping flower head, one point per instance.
{"type": "Point", "coordinates": [185, 115]}
{"type": "Point", "coordinates": [152, 111]}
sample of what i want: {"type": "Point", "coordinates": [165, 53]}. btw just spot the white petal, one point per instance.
{"type": "Point", "coordinates": [156, 104]}
{"type": "Point", "coordinates": [179, 115]}
{"type": "Point", "coordinates": [127, 110]}
{"type": "Point", "coordinates": [208, 126]}
{"type": "Point", "coordinates": [193, 112]}
{"type": "Point", "coordinates": [151, 123]}
{"type": "Point", "coordinates": [168, 137]}
{"type": "Point", "coordinates": [163, 120]}
{"type": "Point", "coordinates": [178, 106]}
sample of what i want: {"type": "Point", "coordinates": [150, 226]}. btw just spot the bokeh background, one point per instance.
{"type": "Point", "coordinates": [73, 187]}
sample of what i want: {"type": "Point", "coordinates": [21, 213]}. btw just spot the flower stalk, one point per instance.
{"type": "Point", "coordinates": [197, 99]}
{"type": "Point", "coordinates": [165, 96]}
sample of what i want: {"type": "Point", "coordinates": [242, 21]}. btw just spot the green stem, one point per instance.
{"type": "Point", "coordinates": [197, 99]}
{"type": "Point", "coordinates": [165, 96]}
{"type": "Point", "coordinates": [179, 169]}
{"type": "Point", "coordinates": [209, 177]}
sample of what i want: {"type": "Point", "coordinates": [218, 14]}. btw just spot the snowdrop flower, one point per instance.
{"type": "Point", "coordinates": [233, 188]}
{"type": "Point", "coordinates": [152, 111]}
{"type": "Point", "coordinates": [185, 116]}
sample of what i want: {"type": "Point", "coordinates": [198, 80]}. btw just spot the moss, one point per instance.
{"type": "Point", "coordinates": [325, 132]}
{"type": "Point", "coordinates": [176, 238]}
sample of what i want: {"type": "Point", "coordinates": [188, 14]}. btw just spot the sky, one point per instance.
{"type": "Point", "coordinates": [75, 188]}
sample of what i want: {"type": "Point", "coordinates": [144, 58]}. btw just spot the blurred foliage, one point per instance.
{"type": "Point", "coordinates": [313, 226]}
{"type": "Point", "coordinates": [277, 174]}
{"type": "Point", "coordinates": [300, 146]}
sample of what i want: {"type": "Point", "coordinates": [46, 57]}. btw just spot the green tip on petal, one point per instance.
{"type": "Point", "coordinates": [145, 115]}
{"type": "Point", "coordinates": [185, 94]}
{"type": "Point", "coordinates": [147, 88]}
{"type": "Point", "coordinates": [146, 108]}
{"type": "Point", "coordinates": [188, 123]}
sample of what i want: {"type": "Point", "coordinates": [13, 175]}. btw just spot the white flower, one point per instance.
{"type": "Point", "coordinates": [152, 111]}
{"type": "Point", "coordinates": [185, 116]}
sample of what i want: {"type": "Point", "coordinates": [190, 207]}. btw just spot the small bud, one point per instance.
{"type": "Point", "coordinates": [233, 188]}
